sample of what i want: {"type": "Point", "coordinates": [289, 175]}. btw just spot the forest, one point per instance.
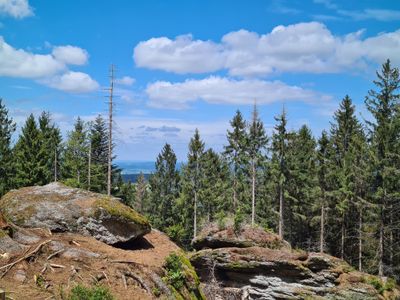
{"type": "Point", "coordinates": [337, 193]}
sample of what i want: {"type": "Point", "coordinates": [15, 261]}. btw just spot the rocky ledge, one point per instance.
{"type": "Point", "coordinates": [63, 209]}
{"type": "Point", "coordinates": [261, 272]}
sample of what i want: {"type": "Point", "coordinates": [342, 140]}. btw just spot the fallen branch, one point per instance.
{"type": "Point", "coordinates": [124, 281]}
{"type": "Point", "coordinates": [55, 254]}
{"type": "Point", "coordinates": [57, 266]}
{"type": "Point", "coordinates": [10, 265]}
{"type": "Point", "coordinates": [139, 280]}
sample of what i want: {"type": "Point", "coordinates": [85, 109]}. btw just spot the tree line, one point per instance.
{"type": "Point", "coordinates": [338, 193]}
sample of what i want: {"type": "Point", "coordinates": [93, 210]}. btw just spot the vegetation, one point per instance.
{"type": "Point", "coordinates": [336, 193]}
{"type": "Point", "coordinates": [97, 292]}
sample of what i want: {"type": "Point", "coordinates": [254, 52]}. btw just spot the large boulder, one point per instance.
{"type": "Point", "coordinates": [212, 237]}
{"type": "Point", "coordinates": [63, 209]}
{"type": "Point", "coordinates": [274, 271]}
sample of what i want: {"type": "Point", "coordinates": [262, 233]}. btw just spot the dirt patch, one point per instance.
{"type": "Point", "coordinates": [131, 273]}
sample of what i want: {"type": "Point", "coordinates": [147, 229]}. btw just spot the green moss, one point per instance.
{"type": "Point", "coordinates": [182, 277]}
{"type": "Point", "coordinates": [116, 208]}
{"type": "Point", "coordinates": [3, 233]}
{"type": "Point", "coordinates": [98, 292]}
{"type": "Point", "coordinates": [380, 285]}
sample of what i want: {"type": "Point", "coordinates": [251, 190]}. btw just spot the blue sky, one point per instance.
{"type": "Point", "coordinates": [183, 65]}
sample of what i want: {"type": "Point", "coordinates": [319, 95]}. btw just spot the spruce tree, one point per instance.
{"type": "Point", "coordinates": [235, 153]}
{"type": "Point", "coordinates": [383, 104]}
{"type": "Point", "coordinates": [191, 182]}
{"type": "Point", "coordinates": [140, 193]}
{"type": "Point", "coordinates": [164, 185]}
{"type": "Point", "coordinates": [7, 128]}
{"type": "Point", "coordinates": [26, 153]}
{"type": "Point", "coordinates": [256, 144]}
{"type": "Point", "coordinates": [75, 156]}
{"type": "Point", "coordinates": [279, 170]}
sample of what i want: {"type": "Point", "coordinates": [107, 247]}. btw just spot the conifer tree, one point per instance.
{"type": "Point", "coordinates": [256, 144]}
{"type": "Point", "coordinates": [75, 156]}
{"type": "Point", "coordinates": [235, 152]}
{"type": "Point", "coordinates": [7, 128]}
{"type": "Point", "coordinates": [279, 165]}
{"type": "Point", "coordinates": [49, 155]}
{"type": "Point", "coordinates": [164, 184]}
{"type": "Point", "coordinates": [140, 193]}
{"type": "Point", "coordinates": [383, 104]}
{"type": "Point", "coordinates": [26, 153]}
{"type": "Point", "coordinates": [191, 181]}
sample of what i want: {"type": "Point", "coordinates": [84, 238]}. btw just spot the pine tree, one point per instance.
{"type": "Point", "coordinates": [7, 128]}
{"type": "Point", "coordinates": [279, 164]}
{"type": "Point", "coordinates": [191, 182]}
{"type": "Point", "coordinates": [140, 193]}
{"type": "Point", "coordinates": [235, 152]}
{"type": "Point", "coordinates": [99, 155]}
{"type": "Point", "coordinates": [302, 189]}
{"type": "Point", "coordinates": [256, 144]}
{"type": "Point", "coordinates": [26, 153]}
{"type": "Point", "coordinates": [323, 157]}
{"type": "Point", "coordinates": [49, 154]}
{"type": "Point", "coordinates": [164, 185]}
{"type": "Point", "coordinates": [75, 156]}
{"type": "Point", "coordinates": [384, 107]}
{"type": "Point", "coordinates": [344, 132]}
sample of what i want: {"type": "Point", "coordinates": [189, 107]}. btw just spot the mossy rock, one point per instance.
{"type": "Point", "coordinates": [64, 209]}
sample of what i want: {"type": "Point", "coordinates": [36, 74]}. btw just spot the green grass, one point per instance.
{"type": "Point", "coordinates": [98, 292]}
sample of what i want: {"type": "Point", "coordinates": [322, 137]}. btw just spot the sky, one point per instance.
{"type": "Point", "coordinates": [186, 64]}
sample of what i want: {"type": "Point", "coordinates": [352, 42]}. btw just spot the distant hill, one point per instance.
{"type": "Point", "coordinates": [132, 169]}
{"type": "Point", "coordinates": [133, 177]}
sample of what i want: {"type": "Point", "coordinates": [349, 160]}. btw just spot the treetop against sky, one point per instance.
{"type": "Point", "coordinates": [183, 65]}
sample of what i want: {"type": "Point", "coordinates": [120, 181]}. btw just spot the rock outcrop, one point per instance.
{"type": "Point", "coordinates": [280, 273]}
{"type": "Point", "coordinates": [63, 209]}
{"type": "Point", "coordinates": [54, 238]}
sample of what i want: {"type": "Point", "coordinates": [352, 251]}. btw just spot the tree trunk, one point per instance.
{"type": "Point", "coordinates": [360, 242]}
{"type": "Point", "coordinates": [253, 193]}
{"type": "Point", "coordinates": [381, 232]}
{"type": "Point", "coordinates": [89, 164]}
{"type": "Point", "coordinates": [195, 216]}
{"type": "Point", "coordinates": [280, 211]}
{"type": "Point", "coordinates": [234, 193]}
{"type": "Point", "coordinates": [342, 239]}
{"type": "Point", "coordinates": [322, 230]}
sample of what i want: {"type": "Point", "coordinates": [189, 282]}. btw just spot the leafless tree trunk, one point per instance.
{"type": "Point", "coordinates": [55, 165]}
{"type": "Point", "coordinates": [253, 192]}
{"type": "Point", "coordinates": [281, 211]}
{"type": "Point", "coordinates": [380, 254]}
{"type": "Point", "coordinates": [343, 233]}
{"type": "Point", "coordinates": [360, 241]}
{"type": "Point", "coordinates": [195, 215]}
{"type": "Point", "coordinates": [89, 165]}
{"type": "Point", "coordinates": [322, 227]}
{"type": "Point", "coordinates": [110, 116]}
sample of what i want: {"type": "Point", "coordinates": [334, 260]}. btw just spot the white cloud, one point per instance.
{"type": "Point", "coordinates": [302, 47]}
{"type": "Point", "coordinates": [384, 15]}
{"type": "Point", "coordinates": [72, 82]}
{"type": "Point", "coordinates": [70, 55]}
{"type": "Point", "coordinates": [48, 69]}
{"type": "Point", "coordinates": [182, 55]}
{"type": "Point", "coordinates": [126, 80]}
{"type": "Point", "coordinates": [20, 63]}
{"type": "Point", "coordinates": [163, 94]}
{"type": "Point", "coordinates": [15, 8]}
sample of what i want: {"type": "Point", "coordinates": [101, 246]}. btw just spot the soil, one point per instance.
{"type": "Point", "coordinates": [91, 261]}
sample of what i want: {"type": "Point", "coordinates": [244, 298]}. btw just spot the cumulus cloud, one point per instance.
{"type": "Point", "coordinates": [181, 55]}
{"type": "Point", "coordinates": [70, 55]}
{"type": "Point", "coordinates": [302, 47]}
{"type": "Point", "coordinates": [126, 80]}
{"type": "Point", "coordinates": [72, 82]}
{"type": "Point", "coordinates": [15, 8]}
{"type": "Point", "coordinates": [219, 90]}
{"type": "Point", "coordinates": [49, 69]}
{"type": "Point", "coordinates": [21, 63]}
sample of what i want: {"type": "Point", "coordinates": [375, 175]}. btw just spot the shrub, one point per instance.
{"type": "Point", "coordinates": [175, 275]}
{"type": "Point", "coordinates": [98, 292]}
{"type": "Point", "coordinates": [221, 220]}
{"type": "Point", "coordinates": [380, 285]}
{"type": "Point", "coordinates": [237, 221]}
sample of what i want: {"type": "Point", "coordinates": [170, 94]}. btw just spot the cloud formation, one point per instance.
{"type": "Point", "coordinates": [126, 80]}
{"type": "Point", "coordinates": [71, 55]}
{"type": "Point", "coordinates": [15, 8]}
{"type": "Point", "coordinates": [49, 69]}
{"type": "Point", "coordinates": [220, 90]}
{"type": "Point", "coordinates": [72, 82]}
{"type": "Point", "coordinates": [302, 47]}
